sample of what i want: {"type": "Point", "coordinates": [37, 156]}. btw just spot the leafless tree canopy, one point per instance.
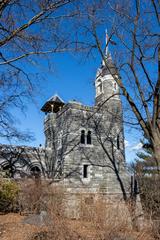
{"type": "Point", "coordinates": [28, 30]}
{"type": "Point", "coordinates": [32, 28]}
{"type": "Point", "coordinates": [133, 35]}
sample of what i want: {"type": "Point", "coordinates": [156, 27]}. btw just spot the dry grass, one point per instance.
{"type": "Point", "coordinates": [12, 228]}
{"type": "Point", "coordinates": [98, 220]}
{"type": "Point", "coordinates": [113, 222]}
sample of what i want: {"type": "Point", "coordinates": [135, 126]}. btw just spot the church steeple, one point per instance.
{"type": "Point", "coordinates": [105, 84]}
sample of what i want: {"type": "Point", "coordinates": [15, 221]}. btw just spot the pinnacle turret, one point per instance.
{"type": "Point", "coordinates": [106, 84]}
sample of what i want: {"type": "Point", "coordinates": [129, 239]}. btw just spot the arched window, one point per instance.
{"type": "Point", "coordinates": [89, 140]}
{"type": "Point", "coordinates": [35, 171]}
{"type": "Point", "coordinates": [118, 142]}
{"type": "Point", "coordinates": [82, 137]}
{"type": "Point", "coordinates": [99, 87]}
{"type": "Point", "coordinates": [6, 168]}
{"type": "Point", "coordinates": [9, 170]}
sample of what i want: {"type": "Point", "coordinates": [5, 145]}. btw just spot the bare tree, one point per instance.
{"type": "Point", "coordinates": [106, 124]}
{"type": "Point", "coordinates": [112, 145]}
{"type": "Point", "coordinates": [46, 162]}
{"type": "Point", "coordinates": [12, 159]}
{"type": "Point", "coordinates": [133, 27]}
{"type": "Point", "coordinates": [60, 142]}
{"type": "Point", "coordinates": [69, 149]}
{"type": "Point", "coordinates": [28, 30]}
{"type": "Point", "coordinates": [22, 161]}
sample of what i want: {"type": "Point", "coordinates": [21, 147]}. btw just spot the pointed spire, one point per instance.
{"type": "Point", "coordinates": [107, 53]}
{"type": "Point", "coordinates": [106, 40]}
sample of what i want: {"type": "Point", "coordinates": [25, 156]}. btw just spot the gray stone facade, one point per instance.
{"type": "Point", "coordinates": [87, 143]}
{"type": "Point", "coordinates": [84, 146]}
{"type": "Point", "coordinates": [22, 161]}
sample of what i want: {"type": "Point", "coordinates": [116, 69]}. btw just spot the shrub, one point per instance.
{"type": "Point", "coordinates": [8, 194]}
{"type": "Point", "coordinates": [34, 196]}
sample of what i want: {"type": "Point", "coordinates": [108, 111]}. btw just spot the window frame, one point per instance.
{"type": "Point", "coordinates": [83, 137]}
{"type": "Point", "coordinates": [99, 87]}
{"type": "Point", "coordinates": [85, 172]}
{"type": "Point", "coordinates": [118, 141]}
{"type": "Point", "coordinates": [89, 137]}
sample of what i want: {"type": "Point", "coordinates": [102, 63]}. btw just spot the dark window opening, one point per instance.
{"type": "Point", "coordinates": [89, 141]}
{"type": "Point", "coordinates": [118, 143]}
{"type": "Point", "coordinates": [82, 137]}
{"type": "Point", "coordinates": [100, 87]}
{"type": "Point", "coordinates": [35, 171]}
{"type": "Point", "coordinates": [9, 170]}
{"type": "Point", "coordinates": [85, 171]}
{"type": "Point", "coordinates": [6, 168]}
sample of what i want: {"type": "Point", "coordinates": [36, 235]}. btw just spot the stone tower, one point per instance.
{"type": "Point", "coordinates": [106, 86]}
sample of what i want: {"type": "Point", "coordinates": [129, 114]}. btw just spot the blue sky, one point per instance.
{"type": "Point", "coordinates": [70, 79]}
{"type": "Point", "coordinates": [72, 76]}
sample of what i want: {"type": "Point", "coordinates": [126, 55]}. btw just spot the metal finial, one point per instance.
{"type": "Point", "coordinates": [106, 39]}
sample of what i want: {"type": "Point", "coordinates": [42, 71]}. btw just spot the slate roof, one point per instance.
{"type": "Point", "coordinates": [53, 104]}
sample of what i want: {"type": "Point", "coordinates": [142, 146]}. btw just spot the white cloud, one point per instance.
{"type": "Point", "coordinates": [126, 143]}
{"type": "Point", "coordinates": [136, 147]}
{"type": "Point", "coordinates": [131, 148]}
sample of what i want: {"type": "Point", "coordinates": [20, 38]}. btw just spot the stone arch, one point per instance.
{"type": "Point", "coordinates": [7, 168]}
{"type": "Point", "coordinates": [35, 169]}
{"type": "Point", "coordinates": [4, 165]}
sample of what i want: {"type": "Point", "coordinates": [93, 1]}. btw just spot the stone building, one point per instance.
{"type": "Point", "coordinates": [86, 144]}
{"type": "Point", "coordinates": [22, 161]}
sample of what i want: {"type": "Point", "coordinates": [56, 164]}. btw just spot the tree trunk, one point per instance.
{"type": "Point", "coordinates": [156, 148]}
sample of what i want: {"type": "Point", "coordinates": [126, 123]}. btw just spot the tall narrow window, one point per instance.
{"type": "Point", "coordinates": [82, 137]}
{"type": "Point", "coordinates": [85, 171]}
{"type": "Point", "coordinates": [118, 143]}
{"type": "Point", "coordinates": [99, 87]}
{"type": "Point", "coordinates": [89, 141]}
